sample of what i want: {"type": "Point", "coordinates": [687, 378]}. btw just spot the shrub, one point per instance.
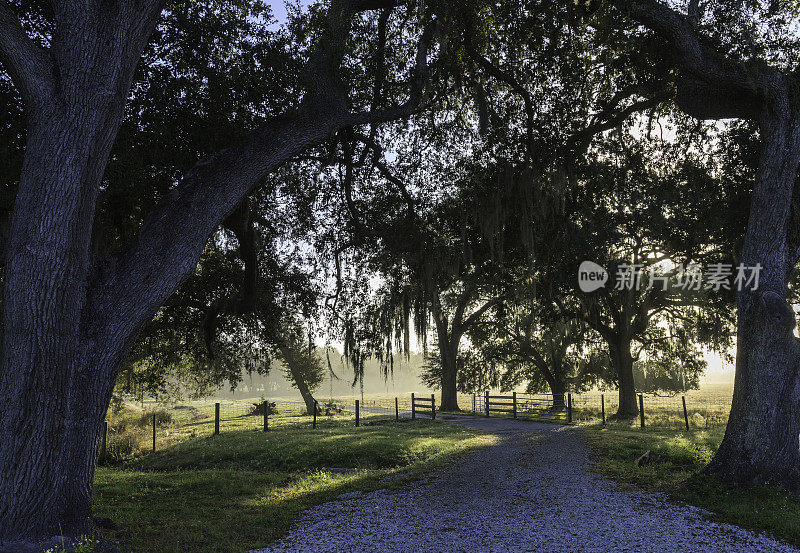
{"type": "Point", "coordinates": [122, 446]}
{"type": "Point", "coordinates": [162, 417]}
{"type": "Point", "coordinates": [258, 409]}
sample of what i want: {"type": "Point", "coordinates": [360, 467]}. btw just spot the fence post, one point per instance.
{"type": "Point", "coordinates": [216, 419]}
{"type": "Point", "coordinates": [314, 423]}
{"type": "Point", "coordinates": [603, 407]}
{"type": "Point", "coordinates": [266, 415]}
{"type": "Point", "coordinates": [154, 431]}
{"type": "Point", "coordinates": [486, 403]}
{"type": "Point", "coordinates": [105, 441]}
{"type": "Point", "coordinates": [641, 410]}
{"type": "Point", "coordinates": [685, 414]}
{"type": "Point", "coordinates": [396, 410]}
{"type": "Point", "coordinates": [473, 403]}
{"type": "Point", "coordinates": [356, 412]}
{"type": "Point", "coordinates": [413, 408]}
{"type": "Point", "coordinates": [569, 408]}
{"type": "Point", "coordinates": [433, 406]}
{"type": "Point", "coordinates": [514, 395]}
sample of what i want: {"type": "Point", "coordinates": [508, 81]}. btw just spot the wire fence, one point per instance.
{"type": "Point", "coordinates": [689, 410]}
{"type": "Point", "coordinates": [149, 427]}
{"type": "Point", "coordinates": [542, 407]}
{"type": "Point", "coordinates": [694, 409]}
{"type": "Point", "coordinates": [129, 432]}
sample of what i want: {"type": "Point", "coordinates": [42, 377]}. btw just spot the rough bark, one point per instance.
{"type": "Point", "coordinates": [70, 318]}
{"type": "Point", "coordinates": [622, 362]}
{"type": "Point", "coordinates": [55, 384]}
{"type": "Point", "coordinates": [761, 438]}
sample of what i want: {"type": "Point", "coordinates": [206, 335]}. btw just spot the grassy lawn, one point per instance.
{"type": "Point", "coordinates": [679, 457]}
{"type": "Point", "coordinates": [241, 490]}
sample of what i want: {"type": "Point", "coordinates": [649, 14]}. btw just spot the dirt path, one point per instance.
{"type": "Point", "coordinates": [534, 491]}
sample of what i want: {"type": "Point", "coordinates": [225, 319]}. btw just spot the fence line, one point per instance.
{"type": "Point", "coordinates": [685, 411]}
{"type": "Point", "coordinates": [122, 437]}
{"type": "Point", "coordinates": [543, 407]}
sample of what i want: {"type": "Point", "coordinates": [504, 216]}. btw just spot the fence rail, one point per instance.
{"type": "Point", "coordinates": [543, 407]}
{"type": "Point", "coordinates": [690, 410]}
{"type": "Point", "coordinates": [423, 405]}
{"type": "Point", "coordinates": [156, 427]}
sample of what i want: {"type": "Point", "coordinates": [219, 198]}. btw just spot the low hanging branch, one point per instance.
{"type": "Point", "coordinates": [216, 185]}
{"type": "Point", "coordinates": [92, 308]}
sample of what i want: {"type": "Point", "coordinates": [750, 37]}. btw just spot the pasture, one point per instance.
{"type": "Point", "coordinates": [243, 488]}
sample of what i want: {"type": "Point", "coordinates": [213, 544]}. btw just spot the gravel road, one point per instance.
{"type": "Point", "coordinates": [533, 491]}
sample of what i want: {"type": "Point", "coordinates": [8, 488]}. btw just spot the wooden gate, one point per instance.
{"type": "Point", "coordinates": [541, 407]}
{"type": "Point", "coordinates": [423, 406]}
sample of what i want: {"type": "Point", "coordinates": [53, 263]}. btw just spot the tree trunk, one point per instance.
{"type": "Point", "coordinates": [69, 318]}
{"type": "Point", "coordinates": [55, 387]}
{"type": "Point", "coordinates": [761, 438]}
{"type": "Point", "coordinates": [448, 353]}
{"type": "Point", "coordinates": [297, 378]}
{"type": "Point", "coordinates": [449, 379]}
{"type": "Point", "coordinates": [622, 361]}
{"type": "Point", "coordinates": [559, 390]}
{"type": "Point", "coordinates": [308, 397]}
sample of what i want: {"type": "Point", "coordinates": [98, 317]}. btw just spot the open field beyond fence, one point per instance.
{"type": "Point", "coordinates": [695, 409]}
{"type": "Point", "coordinates": [143, 427]}
{"type": "Point", "coordinates": [707, 408]}
{"type": "Point", "coordinates": [139, 428]}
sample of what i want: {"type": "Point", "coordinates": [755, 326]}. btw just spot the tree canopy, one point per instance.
{"type": "Point", "coordinates": [192, 191]}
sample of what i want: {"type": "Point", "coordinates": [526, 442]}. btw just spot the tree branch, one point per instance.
{"type": "Point", "coordinates": [478, 313]}
{"type": "Point", "coordinates": [417, 84]}
{"type": "Point", "coordinates": [29, 66]}
{"type": "Point", "coordinates": [712, 86]}
{"type": "Point", "coordinates": [510, 80]}
{"type": "Point", "coordinates": [127, 289]}
{"type": "Point", "coordinates": [240, 222]}
{"type": "Point", "coordinates": [579, 141]}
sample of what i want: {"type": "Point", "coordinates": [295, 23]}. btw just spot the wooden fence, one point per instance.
{"type": "Point", "coordinates": [541, 407]}
{"type": "Point", "coordinates": [423, 405]}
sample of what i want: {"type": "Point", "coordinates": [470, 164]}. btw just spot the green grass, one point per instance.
{"type": "Point", "coordinates": [130, 428]}
{"type": "Point", "coordinates": [242, 490]}
{"type": "Point", "coordinates": [679, 458]}
{"type": "Point", "coordinates": [707, 408]}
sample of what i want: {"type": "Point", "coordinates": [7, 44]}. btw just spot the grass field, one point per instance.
{"type": "Point", "coordinates": [706, 408]}
{"type": "Point", "coordinates": [242, 489]}
{"type": "Point", "coordinates": [130, 429]}
{"type": "Point", "coordinates": [679, 456]}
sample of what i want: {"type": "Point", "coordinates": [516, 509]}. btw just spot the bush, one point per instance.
{"type": "Point", "coordinates": [162, 417]}
{"type": "Point", "coordinates": [122, 446]}
{"type": "Point", "coordinates": [258, 409]}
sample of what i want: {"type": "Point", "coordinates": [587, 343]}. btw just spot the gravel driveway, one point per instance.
{"type": "Point", "coordinates": [531, 492]}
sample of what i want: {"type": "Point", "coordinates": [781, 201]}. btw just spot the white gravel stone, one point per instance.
{"type": "Point", "coordinates": [533, 491]}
